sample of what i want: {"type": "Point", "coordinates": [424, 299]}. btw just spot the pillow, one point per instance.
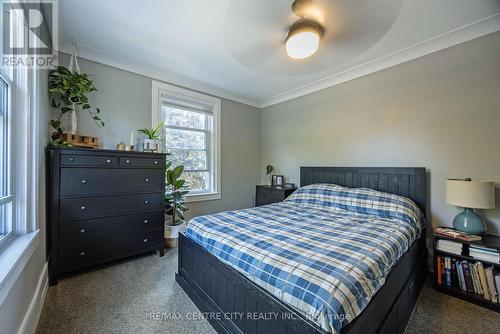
{"type": "Point", "coordinates": [359, 200]}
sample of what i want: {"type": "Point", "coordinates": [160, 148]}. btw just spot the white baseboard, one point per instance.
{"type": "Point", "coordinates": [30, 320]}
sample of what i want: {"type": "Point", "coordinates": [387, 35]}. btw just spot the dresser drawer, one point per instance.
{"type": "Point", "coordinates": [94, 207]}
{"type": "Point", "coordinates": [103, 181]}
{"type": "Point", "coordinates": [76, 256]}
{"type": "Point", "coordinates": [84, 231]}
{"type": "Point", "coordinates": [88, 160]}
{"type": "Point", "coordinates": [140, 162]}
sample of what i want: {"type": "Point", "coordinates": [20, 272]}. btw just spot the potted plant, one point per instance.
{"type": "Point", "coordinates": [175, 197]}
{"type": "Point", "coordinates": [68, 90]}
{"type": "Point", "coordinates": [150, 143]}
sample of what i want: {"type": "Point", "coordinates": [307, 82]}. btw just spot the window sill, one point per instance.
{"type": "Point", "coordinates": [202, 197]}
{"type": "Point", "coordinates": [13, 259]}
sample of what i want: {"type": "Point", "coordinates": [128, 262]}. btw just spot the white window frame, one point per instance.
{"type": "Point", "coordinates": [9, 198]}
{"type": "Point", "coordinates": [159, 89]}
{"type": "Point", "coordinates": [26, 158]}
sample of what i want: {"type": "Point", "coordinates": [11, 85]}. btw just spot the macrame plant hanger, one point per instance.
{"type": "Point", "coordinates": [73, 67]}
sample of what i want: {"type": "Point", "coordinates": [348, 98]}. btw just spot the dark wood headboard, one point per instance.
{"type": "Point", "coordinates": [406, 181]}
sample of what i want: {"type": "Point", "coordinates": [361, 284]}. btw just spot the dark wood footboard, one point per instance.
{"type": "Point", "coordinates": [234, 304]}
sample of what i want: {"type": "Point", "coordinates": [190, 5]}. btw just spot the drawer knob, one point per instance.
{"type": "Point", "coordinates": [71, 159]}
{"type": "Point", "coordinates": [82, 253]}
{"type": "Point", "coordinates": [84, 181]}
{"type": "Point", "coordinates": [146, 202]}
{"type": "Point", "coordinates": [127, 161]}
{"type": "Point", "coordinates": [83, 207]}
{"type": "Point", "coordinates": [156, 162]}
{"type": "Point", "coordinates": [146, 240]}
{"type": "Point", "coordinates": [146, 180]}
{"type": "Point", "coordinates": [146, 221]}
{"type": "Point", "coordinates": [82, 230]}
{"type": "Point", "coordinates": [108, 161]}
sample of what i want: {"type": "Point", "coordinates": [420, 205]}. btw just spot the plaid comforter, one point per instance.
{"type": "Point", "coordinates": [325, 251]}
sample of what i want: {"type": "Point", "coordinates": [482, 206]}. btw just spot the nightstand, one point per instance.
{"type": "Point", "coordinates": [267, 195]}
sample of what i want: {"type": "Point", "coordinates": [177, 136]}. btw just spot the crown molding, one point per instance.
{"type": "Point", "coordinates": [152, 72]}
{"type": "Point", "coordinates": [460, 35]}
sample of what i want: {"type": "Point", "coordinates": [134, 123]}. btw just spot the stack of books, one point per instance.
{"type": "Point", "coordinates": [449, 232]}
{"type": "Point", "coordinates": [484, 253]}
{"type": "Point", "coordinates": [471, 277]}
{"type": "Point", "coordinates": [449, 246]}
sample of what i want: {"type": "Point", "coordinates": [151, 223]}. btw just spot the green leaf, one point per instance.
{"type": "Point", "coordinates": [168, 164]}
{"type": "Point", "coordinates": [86, 106]}
{"type": "Point", "coordinates": [66, 109]}
{"type": "Point", "coordinates": [171, 179]}
{"type": "Point", "coordinates": [178, 171]}
{"type": "Point", "coordinates": [179, 183]}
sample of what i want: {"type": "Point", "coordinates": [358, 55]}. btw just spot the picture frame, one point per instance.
{"type": "Point", "coordinates": [278, 181]}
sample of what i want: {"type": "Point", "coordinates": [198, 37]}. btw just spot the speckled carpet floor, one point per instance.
{"type": "Point", "coordinates": [122, 298]}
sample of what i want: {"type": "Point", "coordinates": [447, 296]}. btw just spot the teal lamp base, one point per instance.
{"type": "Point", "coordinates": [468, 221]}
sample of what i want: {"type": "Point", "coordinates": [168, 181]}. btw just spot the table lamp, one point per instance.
{"type": "Point", "coordinates": [470, 195]}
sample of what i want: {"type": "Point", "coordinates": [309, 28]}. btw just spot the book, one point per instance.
{"type": "Point", "coordinates": [438, 267]}
{"type": "Point", "coordinates": [449, 232]}
{"type": "Point", "coordinates": [482, 280]}
{"type": "Point", "coordinates": [449, 246]}
{"type": "Point", "coordinates": [447, 271]}
{"type": "Point", "coordinates": [467, 275]}
{"type": "Point", "coordinates": [475, 279]}
{"type": "Point", "coordinates": [491, 284]}
{"type": "Point", "coordinates": [461, 277]}
{"type": "Point", "coordinates": [497, 284]}
{"type": "Point", "coordinates": [441, 269]}
{"type": "Point", "coordinates": [484, 256]}
{"type": "Point", "coordinates": [454, 274]}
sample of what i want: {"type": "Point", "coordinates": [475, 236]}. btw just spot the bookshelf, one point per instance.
{"type": "Point", "coordinates": [488, 240]}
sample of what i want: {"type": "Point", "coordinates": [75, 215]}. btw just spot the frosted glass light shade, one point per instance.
{"type": "Point", "coordinates": [302, 45]}
{"type": "Point", "coordinates": [470, 194]}
{"type": "Point", "coordinates": [303, 39]}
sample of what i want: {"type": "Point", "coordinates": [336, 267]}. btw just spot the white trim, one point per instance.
{"type": "Point", "coordinates": [460, 35]}
{"type": "Point", "coordinates": [152, 72]}
{"type": "Point", "coordinates": [203, 197]}
{"type": "Point", "coordinates": [13, 259]}
{"type": "Point", "coordinates": [215, 103]}
{"type": "Point", "coordinates": [32, 315]}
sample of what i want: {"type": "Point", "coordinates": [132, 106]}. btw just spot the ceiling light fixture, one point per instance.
{"type": "Point", "coordinates": [304, 35]}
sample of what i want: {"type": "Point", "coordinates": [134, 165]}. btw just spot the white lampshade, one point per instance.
{"type": "Point", "coordinates": [470, 194]}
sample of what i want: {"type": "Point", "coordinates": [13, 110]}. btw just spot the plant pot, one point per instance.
{"type": "Point", "coordinates": [172, 232]}
{"type": "Point", "coordinates": [150, 145]}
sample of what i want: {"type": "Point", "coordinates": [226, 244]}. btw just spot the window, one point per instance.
{"type": "Point", "coordinates": [5, 170]}
{"type": "Point", "coordinates": [191, 136]}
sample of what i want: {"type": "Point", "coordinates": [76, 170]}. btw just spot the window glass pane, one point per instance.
{"type": "Point", "coordinates": [5, 219]}
{"type": "Point", "coordinates": [197, 181]}
{"type": "Point", "coordinates": [192, 160]}
{"type": "Point", "coordinates": [3, 138]}
{"type": "Point", "coordinates": [184, 118]}
{"type": "Point", "coordinates": [184, 139]}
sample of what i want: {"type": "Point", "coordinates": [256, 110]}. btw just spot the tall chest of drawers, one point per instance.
{"type": "Point", "coordinates": [102, 205]}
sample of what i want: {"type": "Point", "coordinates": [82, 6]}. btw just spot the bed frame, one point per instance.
{"type": "Point", "coordinates": [229, 300]}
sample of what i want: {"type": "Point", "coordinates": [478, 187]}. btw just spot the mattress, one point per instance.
{"type": "Point", "coordinates": [325, 251]}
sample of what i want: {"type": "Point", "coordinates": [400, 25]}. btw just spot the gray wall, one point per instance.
{"type": "Point", "coordinates": [441, 111]}
{"type": "Point", "coordinates": [125, 101]}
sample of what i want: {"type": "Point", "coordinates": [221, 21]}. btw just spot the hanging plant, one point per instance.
{"type": "Point", "coordinates": [69, 89]}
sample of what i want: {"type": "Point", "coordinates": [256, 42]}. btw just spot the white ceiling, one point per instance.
{"type": "Point", "coordinates": [235, 48]}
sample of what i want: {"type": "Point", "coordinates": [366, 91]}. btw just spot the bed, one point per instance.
{"type": "Point", "coordinates": [329, 259]}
